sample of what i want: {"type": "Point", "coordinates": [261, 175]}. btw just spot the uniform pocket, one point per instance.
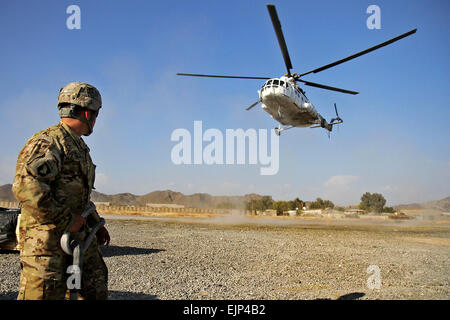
{"type": "Point", "coordinates": [42, 278]}
{"type": "Point", "coordinates": [41, 240]}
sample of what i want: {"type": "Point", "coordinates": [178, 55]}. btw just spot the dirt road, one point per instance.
{"type": "Point", "coordinates": [157, 258]}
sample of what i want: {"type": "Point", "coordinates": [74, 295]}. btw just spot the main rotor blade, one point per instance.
{"type": "Point", "coordinates": [277, 26]}
{"type": "Point", "coordinates": [322, 86]}
{"type": "Point", "coordinates": [360, 53]}
{"type": "Point", "coordinates": [253, 105]}
{"type": "Point", "coordinates": [219, 76]}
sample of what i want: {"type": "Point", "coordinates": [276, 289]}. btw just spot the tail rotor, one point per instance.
{"type": "Point", "coordinates": [336, 120]}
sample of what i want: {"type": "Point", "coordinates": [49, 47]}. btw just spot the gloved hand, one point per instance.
{"type": "Point", "coordinates": [77, 223]}
{"type": "Point", "coordinates": [103, 236]}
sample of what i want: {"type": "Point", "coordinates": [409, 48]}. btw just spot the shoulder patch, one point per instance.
{"type": "Point", "coordinates": [43, 159]}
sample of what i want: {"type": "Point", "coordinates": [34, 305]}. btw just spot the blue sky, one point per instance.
{"type": "Point", "coordinates": [395, 136]}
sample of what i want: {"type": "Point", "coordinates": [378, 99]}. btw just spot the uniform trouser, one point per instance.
{"type": "Point", "coordinates": [45, 277]}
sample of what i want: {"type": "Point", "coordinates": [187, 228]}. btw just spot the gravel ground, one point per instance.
{"type": "Point", "coordinates": [156, 258]}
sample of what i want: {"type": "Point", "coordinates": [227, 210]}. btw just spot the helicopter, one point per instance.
{"type": "Point", "coordinates": [284, 100]}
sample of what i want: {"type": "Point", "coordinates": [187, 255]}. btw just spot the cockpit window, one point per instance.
{"type": "Point", "coordinates": [275, 82]}
{"type": "Point", "coordinates": [282, 83]}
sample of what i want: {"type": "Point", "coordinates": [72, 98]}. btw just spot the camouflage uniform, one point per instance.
{"type": "Point", "coordinates": [53, 181]}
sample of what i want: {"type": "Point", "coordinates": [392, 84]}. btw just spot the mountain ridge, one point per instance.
{"type": "Point", "coordinates": [441, 205]}
{"type": "Point", "coordinates": [195, 200]}
{"type": "Point", "coordinates": [203, 200]}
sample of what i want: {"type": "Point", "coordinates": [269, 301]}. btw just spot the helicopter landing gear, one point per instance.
{"type": "Point", "coordinates": [278, 131]}
{"type": "Point", "coordinates": [280, 128]}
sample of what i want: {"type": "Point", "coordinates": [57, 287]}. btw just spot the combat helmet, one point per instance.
{"type": "Point", "coordinates": [79, 95]}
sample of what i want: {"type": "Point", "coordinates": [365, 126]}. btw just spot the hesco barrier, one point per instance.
{"type": "Point", "coordinates": [145, 209]}
{"type": "Point", "coordinates": [9, 204]}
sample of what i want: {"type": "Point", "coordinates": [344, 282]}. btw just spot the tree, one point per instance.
{"type": "Point", "coordinates": [388, 210]}
{"type": "Point", "coordinates": [321, 204]}
{"type": "Point", "coordinates": [372, 202]}
{"type": "Point", "coordinates": [266, 202]}
{"type": "Point", "coordinates": [280, 207]}
{"type": "Point", "coordinates": [262, 204]}
{"type": "Point", "coordinates": [318, 204]}
{"type": "Point", "coordinates": [297, 203]}
{"type": "Point", "coordinates": [328, 204]}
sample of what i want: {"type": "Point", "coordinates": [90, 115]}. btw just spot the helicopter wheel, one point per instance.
{"type": "Point", "coordinates": [278, 131]}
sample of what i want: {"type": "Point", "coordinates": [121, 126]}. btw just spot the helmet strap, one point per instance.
{"type": "Point", "coordinates": [88, 122]}
{"type": "Point", "coordinates": [69, 112]}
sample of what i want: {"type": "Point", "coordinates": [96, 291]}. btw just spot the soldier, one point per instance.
{"type": "Point", "coordinates": [53, 182]}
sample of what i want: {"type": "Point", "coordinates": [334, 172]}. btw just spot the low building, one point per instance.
{"type": "Point", "coordinates": [269, 212]}
{"type": "Point", "coordinates": [291, 213]}
{"type": "Point", "coordinates": [315, 211]}
{"type": "Point", "coordinates": [354, 211]}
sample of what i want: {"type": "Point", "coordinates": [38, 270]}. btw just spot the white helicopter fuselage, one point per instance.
{"type": "Point", "coordinates": [287, 103]}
